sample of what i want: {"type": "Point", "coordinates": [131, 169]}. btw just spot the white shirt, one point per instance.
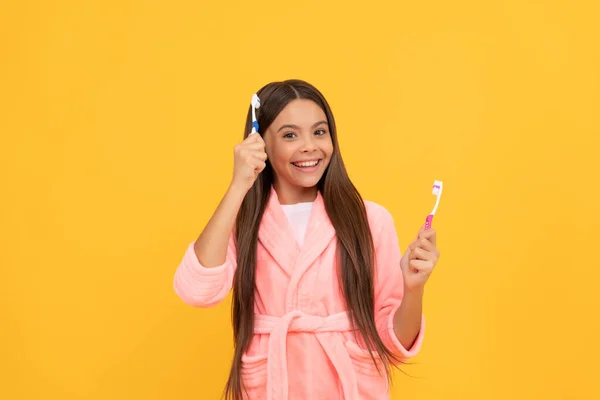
{"type": "Point", "coordinates": [298, 215]}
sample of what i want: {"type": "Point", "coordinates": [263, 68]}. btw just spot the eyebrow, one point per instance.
{"type": "Point", "coordinates": [297, 127]}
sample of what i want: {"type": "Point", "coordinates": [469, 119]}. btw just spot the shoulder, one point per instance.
{"type": "Point", "coordinates": [382, 226]}
{"type": "Point", "coordinates": [378, 216]}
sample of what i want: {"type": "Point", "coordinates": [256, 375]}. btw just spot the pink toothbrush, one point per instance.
{"type": "Point", "coordinates": [437, 190]}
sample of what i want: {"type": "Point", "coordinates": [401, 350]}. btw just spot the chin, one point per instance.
{"type": "Point", "coordinates": [306, 181]}
{"type": "Point", "coordinates": [307, 184]}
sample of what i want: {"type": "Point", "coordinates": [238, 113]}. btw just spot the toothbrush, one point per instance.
{"type": "Point", "coordinates": [437, 191]}
{"type": "Point", "coordinates": [255, 105]}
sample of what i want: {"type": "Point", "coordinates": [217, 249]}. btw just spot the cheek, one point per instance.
{"type": "Point", "coordinates": [279, 158]}
{"type": "Point", "coordinates": [280, 163]}
{"type": "Point", "coordinates": [328, 149]}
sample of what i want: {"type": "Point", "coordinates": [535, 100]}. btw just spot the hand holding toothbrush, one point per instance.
{"type": "Point", "coordinates": [422, 255]}
{"type": "Point", "coordinates": [249, 155]}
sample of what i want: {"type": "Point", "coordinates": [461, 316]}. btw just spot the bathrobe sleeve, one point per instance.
{"type": "Point", "coordinates": [389, 286]}
{"type": "Point", "coordinates": [199, 286]}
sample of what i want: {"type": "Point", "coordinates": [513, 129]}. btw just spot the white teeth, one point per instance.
{"type": "Point", "coordinates": [306, 164]}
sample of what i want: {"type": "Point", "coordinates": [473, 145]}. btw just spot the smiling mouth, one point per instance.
{"type": "Point", "coordinates": [306, 164]}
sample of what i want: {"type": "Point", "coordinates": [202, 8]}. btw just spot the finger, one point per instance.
{"type": "Point", "coordinates": [257, 164]}
{"type": "Point", "coordinates": [421, 230]}
{"type": "Point", "coordinates": [247, 154]}
{"type": "Point", "coordinates": [429, 234]}
{"type": "Point", "coordinates": [413, 246]}
{"type": "Point", "coordinates": [253, 146]}
{"type": "Point", "coordinates": [420, 254]}
{"type": "Point", "coordinates": [428, 246]}
{"type": "Point", "coordinates": [412, 256]}
{"type": "Point", "coordinates": [254, 138]}
{"type": "Point", "coordinates": [260, 154]}
{"type": "Point", "coordinates": [421, 242]}
{"type": "Point", "coordinates": [404, 260]}
{"type": "Point", "coordinates": [425, 244]}
{"type": "Point", "coordinates": [421, 266]}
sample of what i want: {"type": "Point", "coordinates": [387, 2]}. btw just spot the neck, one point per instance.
{"type": "Point", "coordinates": [289, 194]}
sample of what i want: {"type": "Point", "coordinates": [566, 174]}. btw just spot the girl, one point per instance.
{"type": "Point", "coordinates": [323, 304]}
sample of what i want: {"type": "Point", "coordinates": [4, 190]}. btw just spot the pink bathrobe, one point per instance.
{"type": "Point", "coordinates": [303, 347]}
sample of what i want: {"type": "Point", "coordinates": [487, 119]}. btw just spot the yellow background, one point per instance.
{"type": "Point", "coordinates": [118, 120]}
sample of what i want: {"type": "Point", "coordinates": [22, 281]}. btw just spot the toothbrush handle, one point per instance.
{"type": "Point", "coordinates": [428, 221]}
{"type": "Point", "coordinates": [254, 127]}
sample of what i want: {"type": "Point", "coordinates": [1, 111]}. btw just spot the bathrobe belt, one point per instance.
{"type": "Point", "coordinates": [326, 330]}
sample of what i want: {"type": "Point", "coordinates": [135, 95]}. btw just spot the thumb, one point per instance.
{"type": "Point", "coordinates": [255, 137]}
{"type": "Point", "coordinates": [404, 262]}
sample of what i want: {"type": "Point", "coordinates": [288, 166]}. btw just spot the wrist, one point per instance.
{"type": "Point", "coordinates": [414, 291]}
{"type": "Point", "coordinates": [235, 196]}
{"type": "Point", "coordinates": [236, 190]}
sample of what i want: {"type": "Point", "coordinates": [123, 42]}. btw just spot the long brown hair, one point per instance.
{"type": "Point", "coordinates": [348, 216]}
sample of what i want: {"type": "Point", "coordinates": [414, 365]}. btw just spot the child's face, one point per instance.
{"type": "Point", "coordinates": [299, 145]}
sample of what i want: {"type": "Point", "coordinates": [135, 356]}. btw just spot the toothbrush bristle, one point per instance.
{"type": "Point", "coordinates": [255, 101]}
{"type": "Point", "coordinates": [437, 187]}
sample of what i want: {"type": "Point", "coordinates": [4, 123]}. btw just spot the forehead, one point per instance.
{"type": "Point", "coordinates": [300, 112]}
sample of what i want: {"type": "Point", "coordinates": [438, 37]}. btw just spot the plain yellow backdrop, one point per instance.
{"type": "Point", "coordinates": [118, 120]}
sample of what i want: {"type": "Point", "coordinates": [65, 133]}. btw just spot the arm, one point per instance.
{"type": "Point", "coordinates": [407, 319]}
{"type": "Point", "coordinates": [416, 265]}
{"type": "Point", "coordinates": [205, 275]}
{"type": "Point", "coordinates": [398, 314]}
{"type": "Point", "coordinates": [211, 245]}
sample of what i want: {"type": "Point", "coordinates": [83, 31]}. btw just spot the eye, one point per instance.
{"type": "Point", "coordinates": [289, 135]}
{"type": "Point", "coordinates": [320, 132]}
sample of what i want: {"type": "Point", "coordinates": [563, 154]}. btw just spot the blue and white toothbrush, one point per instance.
{"type": "Point", "coordinates": [255, 105]}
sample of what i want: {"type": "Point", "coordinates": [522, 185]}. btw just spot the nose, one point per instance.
{"type": "Point", "coordinates": [309, 144]}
